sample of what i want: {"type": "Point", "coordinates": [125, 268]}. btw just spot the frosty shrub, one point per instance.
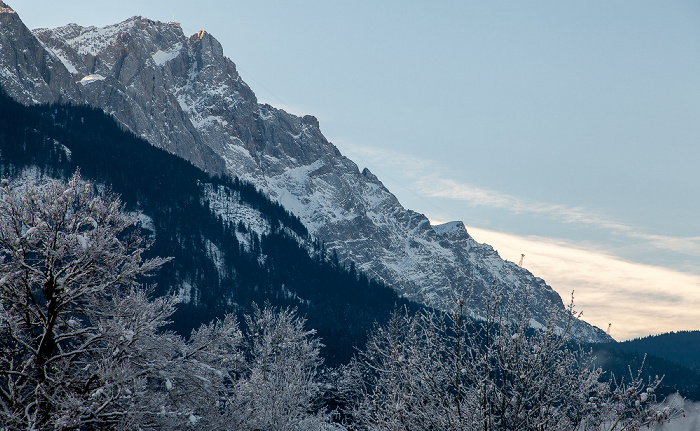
{"type": "Point", "coordinates": [432, 371]}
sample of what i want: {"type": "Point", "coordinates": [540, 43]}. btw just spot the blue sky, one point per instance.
{"type": "Point", "coordinates": [567, 131]}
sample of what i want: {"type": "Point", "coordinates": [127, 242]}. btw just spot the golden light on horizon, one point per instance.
{"type": "Point", "coordinates": [630, 299]}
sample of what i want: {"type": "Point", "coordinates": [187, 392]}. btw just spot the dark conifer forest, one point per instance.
{"type": "Point", "coordinates": [681, 347]}
{"type": "Point", "coordinates": [674, 355]}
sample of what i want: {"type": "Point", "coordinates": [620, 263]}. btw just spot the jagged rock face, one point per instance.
{"type": "Point", "coordinates": [28, 72]}
{"type": "Point", "coordinates": [116, 69]}
{"type": "Point", "coordinates": [182, 94]}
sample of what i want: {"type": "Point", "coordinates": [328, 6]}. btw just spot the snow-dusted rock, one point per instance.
{"type": "Point", "coordinates": [119, 67]}
{"type": "Point", "coordinates": [182, 94]}
{"type": "Point", "coordinates": [28, 72]}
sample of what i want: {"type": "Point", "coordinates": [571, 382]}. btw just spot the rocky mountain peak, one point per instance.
{"type": "Point", "coordinates": [119, 67]}
{"type": "Point", "coordinates": [30, 73]}
{"type": "Point", "coordinates": [370, 176]}
{"type": "Point", "coordinates": [5, 8]}
{"type": "Point", "coordinates": [184, 95]}
{"type": "Point", "coordinates": [310, 120]}
{"type": "Point", "coordinates": [453, 229]}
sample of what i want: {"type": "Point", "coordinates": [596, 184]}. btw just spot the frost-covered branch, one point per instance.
{"type": "Point", "coordinates": [453, 371]}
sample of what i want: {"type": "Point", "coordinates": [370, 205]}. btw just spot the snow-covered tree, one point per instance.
{"type": "Point", "coordinates": [199, 378]}
{"type": "Point", "coordinates": [497, 372]}
{"type": "Point", "coordinates": [83, 344]}
{"type": "Point", "coordinates": [71, 316]}
{"type": "Point", "coordinates": [279, 384]}
{"type": "Point", "coordinates": [124, 369]}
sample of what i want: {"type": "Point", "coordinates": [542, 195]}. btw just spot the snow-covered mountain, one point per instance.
{"type": "Point", "coordinates": [182, 94]}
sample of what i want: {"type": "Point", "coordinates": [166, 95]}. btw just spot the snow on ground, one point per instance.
{"type": "Point", "coordinates": [230, 209]}
{"type": "Point", "coordinates": [449, 227]}
{"type": "Point", "coordinates": [146, 223]}
{"type": "Point", "coordinates": [215, 254]}
{"type": "Point", "coordinates": [71, 68]}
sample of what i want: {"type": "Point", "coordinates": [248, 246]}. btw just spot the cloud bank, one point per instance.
{"type": "Point", "coordinates": [637, 299]}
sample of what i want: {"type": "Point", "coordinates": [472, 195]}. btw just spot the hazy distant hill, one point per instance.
{"type": "Point", "coordinates": [675, 355]}
{"type": "Point", "coordinates": [681, 347]}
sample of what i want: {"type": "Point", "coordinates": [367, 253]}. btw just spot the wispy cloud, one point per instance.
{"type": "Point", "coordinates": [429, 179]}
{"type": "Point", "coordinates": [435, 186]}
{"type": "Point", "coordinates": [637, 299]}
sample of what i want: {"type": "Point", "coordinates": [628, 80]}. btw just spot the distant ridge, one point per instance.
{"type": "Point", "coordinates": [674, 355]}
{"type": "Point", "coordinates": [682, 347]}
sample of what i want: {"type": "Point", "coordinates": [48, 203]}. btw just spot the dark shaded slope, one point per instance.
{"type": "Point", "coordinates": [338, 302]}
{"type": "Point", "coordinates": [615, 359]}
{"type": "Point", "coordinates": [682, 347]}
{"type": "Point", "coordinates": [676, 355]}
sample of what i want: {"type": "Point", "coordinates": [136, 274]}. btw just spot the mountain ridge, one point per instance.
{"type": "Point", "coordinates": [182, 94]}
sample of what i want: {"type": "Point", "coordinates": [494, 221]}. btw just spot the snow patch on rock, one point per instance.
{"type": "Point", "coordinates": [91, 78]}
{"type": "Point", "coordinates": [92, 40]}
{"type": "Point", "coordinates": [162, 57]}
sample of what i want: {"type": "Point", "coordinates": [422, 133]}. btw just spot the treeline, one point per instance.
{"type": "Point", "coordinates": [681, 347]}
{"type": "Point", "coordinates": [674, 355]}
{"type": "Point", "coordinates": [339, 302]}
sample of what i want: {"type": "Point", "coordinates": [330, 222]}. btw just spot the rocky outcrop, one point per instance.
{"type": "Point", "coordinates": [116, 68]}
{"type": "Point", "coordinates": [29, 72]}
{"type": "Point", "coordinates": [182, 94]}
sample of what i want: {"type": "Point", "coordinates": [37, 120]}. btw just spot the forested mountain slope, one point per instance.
{"type": "Point", "coordinates": [682, 347]}
{"type": "Point", "coordinates": [232, 246]}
